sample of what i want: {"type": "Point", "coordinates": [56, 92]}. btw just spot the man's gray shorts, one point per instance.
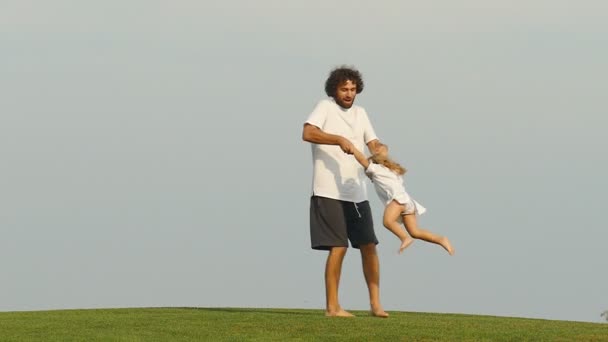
{"type": "Point", "coordinates": [333, 223]}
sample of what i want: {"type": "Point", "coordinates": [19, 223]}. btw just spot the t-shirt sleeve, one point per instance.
{"type": "Point", "coordinates": [318, 115]}
{"type": "Point", "coordinates": [368, 130]}
{"type": "Point", "coordinates": [371, 170]}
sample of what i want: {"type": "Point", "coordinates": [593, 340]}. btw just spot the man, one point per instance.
{"type": "Point", "coordinates": [339, 210]}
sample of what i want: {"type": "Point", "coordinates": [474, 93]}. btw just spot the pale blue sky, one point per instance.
{"type": "Point", "coordinates": [152, 154]}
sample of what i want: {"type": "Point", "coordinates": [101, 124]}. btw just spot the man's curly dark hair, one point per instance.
{"type": "Point", "coordinates": [340, 75]}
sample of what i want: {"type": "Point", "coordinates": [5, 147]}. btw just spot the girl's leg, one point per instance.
{"type": "Point", "coordinates": [391, 214]}
{"type": "Point", "coordinates": [411, 226]}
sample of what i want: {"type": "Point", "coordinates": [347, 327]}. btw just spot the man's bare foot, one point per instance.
{"type": "Point", "coordinates": [405, 243]}
{"type": "Point", "coordinates": [379, 312]}
{"type": "Point", "coordinates": [339, 313]}
{"type": "Point", "coordinates": [445, 243]}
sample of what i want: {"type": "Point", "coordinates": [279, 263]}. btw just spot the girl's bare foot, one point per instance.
{"type": "Point", "coordinates": [339, 313]}
{"type": "Point", "coordinates": [405, 243]}
{"type": "Point", "coordinates": [445, 243]}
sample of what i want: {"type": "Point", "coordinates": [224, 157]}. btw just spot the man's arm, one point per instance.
{"type": "Point", "coordinates": [315, 135]}
{"type": "Point", "coordinates": [373, 145]}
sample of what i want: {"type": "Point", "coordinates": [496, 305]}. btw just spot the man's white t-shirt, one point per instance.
{"type": "Point", "coordinates": [336, 174]}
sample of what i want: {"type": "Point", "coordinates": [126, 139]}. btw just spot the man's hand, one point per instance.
{"type": "Point", "coordinates": [315, 135]}
{"type": "Point", "coordinates": [347, 146]}
{"type": "Point", "coordinates": [373, 146]}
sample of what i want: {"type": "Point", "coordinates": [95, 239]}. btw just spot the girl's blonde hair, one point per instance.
{"type": "Point", "coordinates": [388, 163]}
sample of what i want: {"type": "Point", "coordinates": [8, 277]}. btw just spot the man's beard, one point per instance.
{"type": "Point", "coordinates": [344, 104]}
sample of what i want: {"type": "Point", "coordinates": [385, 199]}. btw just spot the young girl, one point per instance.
{"type": "Point", "coordinates": [386, 175]}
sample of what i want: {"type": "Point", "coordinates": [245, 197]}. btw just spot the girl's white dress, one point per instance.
{"type": "Point", "coordinates": [389, 186]}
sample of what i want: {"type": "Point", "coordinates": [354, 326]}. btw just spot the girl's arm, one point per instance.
{"type": "Point", "coordinates": [361, 158]}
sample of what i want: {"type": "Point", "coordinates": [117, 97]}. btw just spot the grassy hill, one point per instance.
{"type": "Point", "coordinates": [233, 324]}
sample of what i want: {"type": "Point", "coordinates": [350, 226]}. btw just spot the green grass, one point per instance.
{"type": "Point", "coordinates": [223, 324]}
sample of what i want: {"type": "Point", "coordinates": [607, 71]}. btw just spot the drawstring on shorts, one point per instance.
{"type": "Point", "coordinates": [357, 209]}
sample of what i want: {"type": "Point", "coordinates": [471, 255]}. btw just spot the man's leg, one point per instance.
{"type": "Point", "coordinates": [371, 270]}
{"type": "Point", "coordinates": [333, 269]}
